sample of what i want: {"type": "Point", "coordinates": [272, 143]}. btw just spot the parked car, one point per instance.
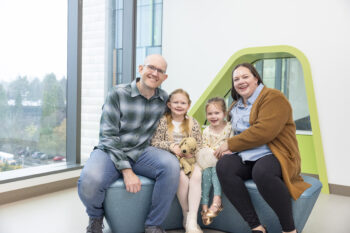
{"type": "Point", "coordinates": [43, 156]}
{"type": "Point", "coordinates": [59, 158]}
{"type": "Point", "coordinates": [37, 155]}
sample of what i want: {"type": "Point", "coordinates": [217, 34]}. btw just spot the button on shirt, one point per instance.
{"type": "Point", "coordinates": [128, 122]}
{"type": "Point", "coordinates": [240, 121]}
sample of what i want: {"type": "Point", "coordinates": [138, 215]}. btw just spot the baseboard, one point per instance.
{"type": "Point", "coordinates": [334, 188]}
{"type": "Point", "coordinates": [339, 189]}
{"type": "Point", "coordinates": [37, 190]}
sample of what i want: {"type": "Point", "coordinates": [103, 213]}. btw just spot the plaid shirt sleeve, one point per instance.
{"type": "Point", "coordinates": [109, 131]}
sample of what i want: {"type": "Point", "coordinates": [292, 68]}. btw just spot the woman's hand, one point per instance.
{"type": "Point", "coordinates": [227, 152]}
{"type": "Point", "coordinates": [221, 150]}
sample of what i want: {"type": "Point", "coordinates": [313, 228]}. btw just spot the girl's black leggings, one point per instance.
{"type": "Point", "coordinates": [267, 175]}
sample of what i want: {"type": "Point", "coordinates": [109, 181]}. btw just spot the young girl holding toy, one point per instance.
{"type": "Point", "coordinates": [213, 136]}
{"type": "Point", "coordinates": [173, 127]}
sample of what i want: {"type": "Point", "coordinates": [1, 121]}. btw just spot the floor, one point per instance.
{"type": "Point", "coordinates": [62, 212]}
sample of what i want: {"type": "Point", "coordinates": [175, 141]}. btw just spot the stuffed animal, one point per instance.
{"type": "Point", "coordinates": [188, 146]}
{"type": "Point", "coordinates": [205, 158]}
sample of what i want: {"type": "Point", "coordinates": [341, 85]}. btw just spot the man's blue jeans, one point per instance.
{"type": "Point", "coordinates": [99, 173]}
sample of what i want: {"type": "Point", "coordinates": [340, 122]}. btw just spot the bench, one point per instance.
{"type": "Point", "coordinates": [126, 212]}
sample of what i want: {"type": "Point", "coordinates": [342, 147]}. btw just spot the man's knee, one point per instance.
{"type": "Point", "coordinates": [172, 167]}
{"type": "Point", "coordinates": [168, 174]}
{"type": "Point", "coordinates": [168, 162]}
{"type": "Point", "coordinates": [89, 183]}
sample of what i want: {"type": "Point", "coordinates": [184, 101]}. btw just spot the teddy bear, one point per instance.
{"type": "Point", "coordinates": [188, 146]}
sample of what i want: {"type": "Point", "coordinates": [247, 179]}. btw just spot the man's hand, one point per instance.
{"type": "Point", "coordinates": [131, 180]}
{"type": "Point", "coordinates": [221, 150]}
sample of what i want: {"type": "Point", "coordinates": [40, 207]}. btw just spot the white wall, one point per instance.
{"type": "Point", "coordinates": [93, 73]}
{"type": "Point", "coordinates": [199, 36]}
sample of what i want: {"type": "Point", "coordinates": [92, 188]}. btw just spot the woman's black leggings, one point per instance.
{"type": "Point", "coordinates": [267, 175]}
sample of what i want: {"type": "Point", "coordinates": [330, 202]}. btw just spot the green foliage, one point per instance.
{"type": "Point", "coordinates": [59, 133]}
{"type": "Point", "coordinates": [53, 140]}
{"type": "Point", "coordinates": [3, 104]}
{"type": "Point", "coordinates": [52, 101]}
{"type": "Point", "coordinates": [3, 97]}
{"type": "Point", "coordinates": [35, 90]}
{"type": "Point", "coordinates": [6, 167]}
{"type": "Point", "coordinates": [53, 115]}
{"type": "Point", "coordinates": [31, 131]}
{"type": "Point", "coordinates": [38, 128]}
{"type": "Point", "coordinates": [18, 89]}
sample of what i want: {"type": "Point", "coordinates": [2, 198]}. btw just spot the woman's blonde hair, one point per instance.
{"type": "Point", "coordinates": [186, 131]}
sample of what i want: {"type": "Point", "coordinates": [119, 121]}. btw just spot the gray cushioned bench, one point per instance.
{"type": "Point", "coordinates": [126, 212]}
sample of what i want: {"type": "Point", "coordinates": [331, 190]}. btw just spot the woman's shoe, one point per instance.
{"type": "Point", "coordinates": [258, 231]}
{"type": "Point", "coordinates": [210, 215]}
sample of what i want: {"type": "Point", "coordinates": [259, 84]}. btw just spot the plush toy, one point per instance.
{"type": "Point", "coordinates": [205, 158]}
{"type": "Point", "coordinates": [188, 146]}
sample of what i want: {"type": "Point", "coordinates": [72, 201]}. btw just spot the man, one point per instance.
{"type": "Point", "coordinates": [129, 118]}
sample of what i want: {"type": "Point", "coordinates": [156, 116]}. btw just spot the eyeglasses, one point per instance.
{"type": "Point", "coordinates": [153, 68]}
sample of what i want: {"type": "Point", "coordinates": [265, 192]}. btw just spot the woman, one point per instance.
{"type": "Point", "coordinates": [265, 150]}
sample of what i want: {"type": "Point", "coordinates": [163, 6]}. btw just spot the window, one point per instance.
{"type": "Point", "coordinates": [148, 34]}
{"type": "Point", "coordinates": [103, 54]}
{"type": "Point", "coordinates": [286, 75]}
{"type": "Point", "coordinates": [33, 81]}
{"type": "Point", "coordinates": [149, 30]}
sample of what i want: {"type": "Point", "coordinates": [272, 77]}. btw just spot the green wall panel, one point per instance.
{"type": "Point", "coordinates": [307, 153]}
{"type": "Point", "coordinates": [310, 145]}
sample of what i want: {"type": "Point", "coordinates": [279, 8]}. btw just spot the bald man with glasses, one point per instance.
{"type": "Point", "coordinates": [129, 118]}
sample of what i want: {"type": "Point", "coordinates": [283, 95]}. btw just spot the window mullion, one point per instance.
{"type": "Point", "coordinates": [74, 60]}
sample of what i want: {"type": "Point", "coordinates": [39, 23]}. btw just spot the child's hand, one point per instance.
{"type": "Point", "coordinates": [176, 149]}
{"type": "Point", "coordinates": [187, 156]}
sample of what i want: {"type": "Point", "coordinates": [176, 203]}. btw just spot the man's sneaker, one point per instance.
{"type": "Point", "coordinates": [154, 229]}
{"type": "Point", "coordinates": [95, 225]}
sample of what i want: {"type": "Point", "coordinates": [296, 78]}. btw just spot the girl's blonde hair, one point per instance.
{"type": "Point", "coordinates": [218, 101]}
{"type": "Point", "coordinates": [186, 131]}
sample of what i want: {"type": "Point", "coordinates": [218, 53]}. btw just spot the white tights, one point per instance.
{"type": "Point", "coordinates": [189, 192]}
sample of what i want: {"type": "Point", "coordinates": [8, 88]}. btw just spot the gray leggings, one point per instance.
{"type": "Point", "coordinates": [209, 178]}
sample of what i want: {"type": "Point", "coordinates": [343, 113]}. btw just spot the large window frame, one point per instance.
{"type": "Point", "coordinates": [74, 85]}
{"type": "Point", "coordinates": [277, 73]}
{"type": "Point", "coordinates": [74, 58]}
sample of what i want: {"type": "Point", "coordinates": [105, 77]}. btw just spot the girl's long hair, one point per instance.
{"type": "Point", "coordinates": [186, 131]}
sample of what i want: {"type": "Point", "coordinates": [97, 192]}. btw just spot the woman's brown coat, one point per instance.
{"type": "Point", "coordinates": [271, 122]}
